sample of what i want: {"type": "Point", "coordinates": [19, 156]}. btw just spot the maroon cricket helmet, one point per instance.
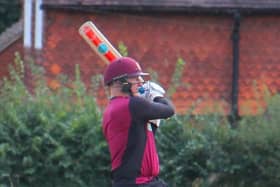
{"type": "Point", "coordinates": [123, 67]}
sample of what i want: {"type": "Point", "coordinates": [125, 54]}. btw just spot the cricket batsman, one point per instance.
{"type": "Point", "coordinates": [129, 124]}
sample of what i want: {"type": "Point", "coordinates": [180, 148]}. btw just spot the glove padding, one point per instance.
{"type": "Point", "coordinates": [156, 122]}
{"type": "Point", "coordinates": [152, 90]}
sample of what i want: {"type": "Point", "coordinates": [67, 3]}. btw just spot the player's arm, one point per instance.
{"type": "Point", "coordinates": [160, 108]}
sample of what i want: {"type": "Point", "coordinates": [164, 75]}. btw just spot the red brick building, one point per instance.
{"type": "Point", "coordinates": [230, 48]}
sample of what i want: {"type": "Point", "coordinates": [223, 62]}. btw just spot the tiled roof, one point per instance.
{"type": "Point", "coordinates": [258, 4]}
{"type": "Point", "coordinates": [11, 34]}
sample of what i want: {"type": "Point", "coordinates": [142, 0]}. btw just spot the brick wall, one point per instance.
{"type": "Point", "coordinates": [157, 41]}
{"type": "Point", "coordinates": [259, 61]}
{"type": "Point", "coordinates": [7, 57]}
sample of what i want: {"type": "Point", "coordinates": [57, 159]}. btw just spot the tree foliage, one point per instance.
{"type": "Point", "coordinates": [10, 12]}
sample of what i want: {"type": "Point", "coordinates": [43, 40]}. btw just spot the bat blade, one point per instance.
{"type": "Point", "coordinates": [98, 42]}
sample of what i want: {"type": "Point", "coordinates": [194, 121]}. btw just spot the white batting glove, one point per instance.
{"type": "Point", "coordinates": [156, 122]}
{"type": "Point", "coordinates": [152, 90]}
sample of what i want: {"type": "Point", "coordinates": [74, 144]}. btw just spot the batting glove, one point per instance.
{"type": "Point", "coordinates": [156, 122]}
{"type": "Point", "coordinates": [152, 90]}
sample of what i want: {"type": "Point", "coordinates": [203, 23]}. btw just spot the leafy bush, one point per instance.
{"type": "Point", "coordinates": [50, 138]}
{"type": "Point", "coordinates": [205, 151]}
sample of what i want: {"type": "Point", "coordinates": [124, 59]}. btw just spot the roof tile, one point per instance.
{"type": "Point", "coordinates": [172, 3]}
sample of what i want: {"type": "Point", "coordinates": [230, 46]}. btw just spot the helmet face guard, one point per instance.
{"type": "Point", "coordinates": [123, 67]}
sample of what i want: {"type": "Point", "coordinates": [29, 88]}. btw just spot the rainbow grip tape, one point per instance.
{"type": "Point", "coordinates": [98, 42]}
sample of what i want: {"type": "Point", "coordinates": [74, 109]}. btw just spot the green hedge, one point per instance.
{"type": "Point", "coordinates": [205, 151]}
{"type": "Point", "coordinates": [50, 138]}
{"type": "Point", "coordinates": [53, 138]}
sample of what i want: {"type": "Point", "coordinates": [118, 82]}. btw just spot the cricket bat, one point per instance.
{"type": "Point", "coordinates": [98, 42]}
{"type": "Point", "coordinates": [102, 47]}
